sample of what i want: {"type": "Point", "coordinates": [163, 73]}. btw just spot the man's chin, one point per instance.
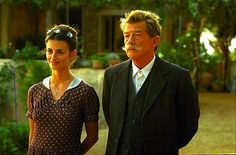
{"type": "Point", "coordinates": [131, 52]}
{"type": "Point", "coordinates": [131, 55]}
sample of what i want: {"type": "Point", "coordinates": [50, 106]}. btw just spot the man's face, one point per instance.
{"type": "Point", "coordinates": [137, 42]}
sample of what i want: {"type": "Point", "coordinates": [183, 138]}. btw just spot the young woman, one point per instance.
{"type": "Point", "coordinates": [60, 104]}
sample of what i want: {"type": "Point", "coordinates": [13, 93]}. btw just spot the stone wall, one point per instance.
{"type": "Point", "coordinates": [232, 80]}
{"type": "Point", "coordinates": [90, 32]}
{"type": "Point", "coordinates": [94, 77]}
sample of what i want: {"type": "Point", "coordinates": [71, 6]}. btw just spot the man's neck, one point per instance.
{"type": "Point", "coordinates": [142, 62]}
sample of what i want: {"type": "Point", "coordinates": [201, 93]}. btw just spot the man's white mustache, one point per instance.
{"type": "Point", "coordinates": [133, 47]}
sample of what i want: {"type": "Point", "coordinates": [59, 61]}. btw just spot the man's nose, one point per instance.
{"type": "Point", "coordinates": [131, 39]}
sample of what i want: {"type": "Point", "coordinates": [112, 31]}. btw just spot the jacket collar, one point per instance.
{"type": "Point", "coordinates": [157, 83]}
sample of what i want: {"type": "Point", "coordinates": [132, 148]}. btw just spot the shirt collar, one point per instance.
{"type": "Point", "coordinates": [76, 81]}
{"type": "Point", "coordinates": [144, 70]}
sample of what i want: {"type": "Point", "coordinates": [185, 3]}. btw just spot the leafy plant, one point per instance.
{"type": "Point", "coordinates": [29, 52]}
{"type": "Point", "coordinates": [175, 55]}
{"type": "Point", "coordinates": [13, 139]}
{"type": "Point", "coordinates": [6, 72]}
{"type": "Point", "coordinates": [29, 73]}
{"type": "Point", "coordinates": [6, 78]}
{"type": "Point", "coordinates": [208, 62]}
{"type": "Point", "coordinates": [233, 55]}
{"type": "Point", "coordinates": [98, 61]}
{"type": "Point", "coordinates": [97, 57]}
{"type": "Point", "coordinates": [6, 52]}
{"type": "Point", "coordinates": [112, 56]}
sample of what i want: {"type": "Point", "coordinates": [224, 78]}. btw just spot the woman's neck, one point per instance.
{"type": "Point", "coordinates": [61, 77]}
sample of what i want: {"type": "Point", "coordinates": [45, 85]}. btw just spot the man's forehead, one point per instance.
{"type": "Point", "coordinates": [134, 30]}
{"type": "Point", "coordinates": [135, 27]}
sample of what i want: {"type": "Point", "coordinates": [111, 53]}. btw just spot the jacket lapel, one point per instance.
{"type": "Point", "coordinates": [120, 87]}
{"type": "Point", "coordinates": [156, 83]}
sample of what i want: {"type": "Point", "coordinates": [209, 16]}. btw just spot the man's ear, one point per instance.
{"type": "Point", "coordinates": [155, 41]}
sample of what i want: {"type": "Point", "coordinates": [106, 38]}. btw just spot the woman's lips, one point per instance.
{"type": "Point", "coordinates": [54, 62]}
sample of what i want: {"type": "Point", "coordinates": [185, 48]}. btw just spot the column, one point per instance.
{"type": "Point", "coordinates": [4, 27]}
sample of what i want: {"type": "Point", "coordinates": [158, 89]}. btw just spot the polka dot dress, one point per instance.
{"type": "Point", "coordinates": [58, 124]}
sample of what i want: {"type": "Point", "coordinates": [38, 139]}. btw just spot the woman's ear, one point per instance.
{"type": "Point", "coordinates": [73, 54]}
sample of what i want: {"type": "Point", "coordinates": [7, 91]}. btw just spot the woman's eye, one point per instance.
{"type": "Point", "coordinates": [49, 51]}
{"type": "Point", "coordinates": [60, 52]}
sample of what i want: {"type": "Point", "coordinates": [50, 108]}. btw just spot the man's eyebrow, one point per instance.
{"type": "Point", "coordinates": [138, 30]}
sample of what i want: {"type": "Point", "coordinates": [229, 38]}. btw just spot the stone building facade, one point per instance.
{"type": "Point", "coordinates": [99, 29]}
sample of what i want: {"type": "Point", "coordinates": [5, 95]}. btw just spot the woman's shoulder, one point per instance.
{"type": "Point", "coordinates": [37, 87]}
{"type": "Point", "coordinates": [85, 85]}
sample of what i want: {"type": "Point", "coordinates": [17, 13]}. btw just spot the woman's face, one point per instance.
{"type": "Point", "coordinates": [59, 55]}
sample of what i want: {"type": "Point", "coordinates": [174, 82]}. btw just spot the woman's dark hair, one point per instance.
{"type": "Point", "coordinates": [64, 33]}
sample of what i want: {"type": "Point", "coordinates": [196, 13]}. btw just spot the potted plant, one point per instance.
{"type": "Point", "coordinates": [208, 63]}
{"type": "Point", "coordinates": [112, 58]}
{"type": "Point", "coordinates": [217, 84]}
{"type": "Point", "coordinates": [97, 61]}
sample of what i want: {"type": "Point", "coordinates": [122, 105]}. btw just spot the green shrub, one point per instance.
{"type": "Point", "coordinates": [233, 55]}
{"type": "Point", "coordinates": [175, 55]}
{"type": "Point", "coordinates": [29, 73]}
{"type": "Point", "coordinates": [208, 62]}
{"type": "Point", "coordinates": [6, 52]}
{"type": "Point", "coordinates": [6, 80]}
{"type": "Point", "coordinates": [29, 52]}
{"type": "Point", "coordinates": [13, 139]}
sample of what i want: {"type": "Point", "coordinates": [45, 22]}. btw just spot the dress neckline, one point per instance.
{"type": "Point", "coordinates": [46, 82]}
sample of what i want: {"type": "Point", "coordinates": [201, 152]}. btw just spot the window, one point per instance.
{"type": "Point", "coordinates": [112, 37]}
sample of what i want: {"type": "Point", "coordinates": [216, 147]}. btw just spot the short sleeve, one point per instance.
{"type": "Point", "coordinates": [29, 103]}
{"type": "Point", "coordinates": [91, 107]}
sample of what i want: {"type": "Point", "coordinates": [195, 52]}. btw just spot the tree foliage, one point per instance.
{"type": "Point", "coordinates": [216, 15]}
{"type": "Point", "coordinates": [96, 4]}
{"type": "Point", "coordinates": [45, 4]}
{"type": "Point", "coordinates": [221, 20]}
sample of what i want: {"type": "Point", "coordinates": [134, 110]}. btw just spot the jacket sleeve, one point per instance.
{"type": "Point", "coordinates": [106, 97]}
{"type": "Point", "coordinates": [187, 110]}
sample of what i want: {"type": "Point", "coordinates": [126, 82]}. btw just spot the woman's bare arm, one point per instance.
{"type": "Point", "coordinates": [91, 137]}
{"type": "Point", "coordinates": [31, 130]}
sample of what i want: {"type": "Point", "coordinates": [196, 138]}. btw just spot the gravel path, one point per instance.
{"type": "Point", "coordinates": [217, 128]}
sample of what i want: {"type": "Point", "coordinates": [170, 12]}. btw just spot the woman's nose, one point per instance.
{"type": "Point", "coordinates": [53, 56]}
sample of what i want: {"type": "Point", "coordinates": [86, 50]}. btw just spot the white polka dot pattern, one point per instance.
{"type": "Point", "coordinates": [58, 125]}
